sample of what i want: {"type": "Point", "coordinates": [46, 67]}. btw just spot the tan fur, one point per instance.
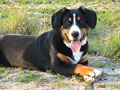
{"type": "Point", "coordinates": [63, 57]}
{"type": "Point", "coordinates": [65, 34]}
{"type": "Point", "coordinates": [83, 70]}
{"type": "Point", "coordinates": [84, 32]}
{"type": "Point", "coordinates": [78, 18]}
{"type": "Point", "coordinates": [84, 58]}
{"type": "Point", "coordinates": [69, 19]}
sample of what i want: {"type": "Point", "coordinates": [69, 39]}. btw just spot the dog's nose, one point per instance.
{"type": "Point", "coordinates": [75, 34]}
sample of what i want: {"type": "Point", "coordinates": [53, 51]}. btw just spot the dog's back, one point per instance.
{"type": "Point", "coordinates": [12, 48]}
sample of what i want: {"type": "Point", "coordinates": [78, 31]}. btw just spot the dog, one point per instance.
{"type": "Point", "coordinates": [62, 50]}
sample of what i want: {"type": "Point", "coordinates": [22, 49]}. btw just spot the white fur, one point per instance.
{"type": "Point", "coordinates": [83, 42]}
{"type": "Point", "coordinates": [67, 44]}
{"type": "Point", "coordinates": [77, 56]}
{"type": "Point", "coordinates": [73, 28]}
{"type": "Point", "coordinates": [91, 77]}
{"type": "Point", "coordinates": [97, 72]}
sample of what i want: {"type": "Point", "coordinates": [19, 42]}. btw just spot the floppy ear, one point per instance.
{"type": "Point", "coordinates": [57, 19]}
{"type": "Point", "coordinates": [90, 16]}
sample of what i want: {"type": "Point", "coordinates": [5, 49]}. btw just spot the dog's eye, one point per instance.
{"type": "Point", "coordinates": [78, 18]}
{"type": "Point", "coordinates": [69, 19]}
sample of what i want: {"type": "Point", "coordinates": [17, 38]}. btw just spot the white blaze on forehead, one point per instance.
{"type": "Point", "coordinates": [73, 28]}
{"type": "Point", "coordinates": [74, 19]}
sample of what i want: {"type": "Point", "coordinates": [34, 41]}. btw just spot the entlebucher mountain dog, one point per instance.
{"type": "Point", "coordinates": [62, 50]}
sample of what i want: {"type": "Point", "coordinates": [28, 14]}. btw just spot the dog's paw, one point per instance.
{"type": "Point", "coordinates": [91, 76]}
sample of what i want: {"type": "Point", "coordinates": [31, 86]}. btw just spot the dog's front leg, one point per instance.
{"type": "Point", "coordinates": [89, 73]}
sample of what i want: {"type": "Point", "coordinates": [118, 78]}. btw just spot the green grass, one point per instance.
{"type": "Point", "coordinates": [58, 77]}
{"type": "Point", "coordinates": [116, 86]}
{"type": "Point", "coordinates": [4, 72]}
{"type": "Point", "coordinates": [112, 46]}
{"type": "Point", "coordinates": [64, 2]}
{"type": "Point", "coordinates": [60, 84]}
{"type": "Point", "coordinates": [25, 78]}
{"type": "Point", "coordinates": [109, 18]}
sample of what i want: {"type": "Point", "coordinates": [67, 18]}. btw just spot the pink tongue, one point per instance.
{"type": "Point", "coordinates": [75, 46]}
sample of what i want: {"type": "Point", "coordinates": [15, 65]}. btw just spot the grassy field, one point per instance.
{"type": "Point", "coordinates": [33, 17]}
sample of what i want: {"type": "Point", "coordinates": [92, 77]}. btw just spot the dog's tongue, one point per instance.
{"type": "Point", "coordinates": [75, 46]}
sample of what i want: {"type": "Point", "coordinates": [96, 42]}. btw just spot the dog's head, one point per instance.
{"type": "Point", "coordinates": [74, 24]}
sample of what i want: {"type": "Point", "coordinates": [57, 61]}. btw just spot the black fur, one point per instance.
{"type": "Point", "coordinates": [57, 19]}
{"type": "Point", "coordinates": [91, 17]}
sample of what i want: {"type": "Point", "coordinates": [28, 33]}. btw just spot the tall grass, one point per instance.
{"type": "Point", "coordinates": [17, 21]}
{"type": "Point", "coordinates": [112, 46]}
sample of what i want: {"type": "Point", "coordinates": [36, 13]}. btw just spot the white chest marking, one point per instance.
{"type": "Point", "coordinates": [77, 56]}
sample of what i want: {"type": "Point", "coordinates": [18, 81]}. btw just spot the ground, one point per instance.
{"type": "Point", "coordinates": [22, 79]}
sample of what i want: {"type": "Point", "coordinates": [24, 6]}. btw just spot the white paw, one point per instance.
{"type": "Point", "coordinates": [92, 75]}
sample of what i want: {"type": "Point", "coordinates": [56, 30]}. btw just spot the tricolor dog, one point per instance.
{"type": "Point", "coordinates": [62, 50]}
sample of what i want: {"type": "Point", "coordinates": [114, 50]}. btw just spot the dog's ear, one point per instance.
{"type": "Point", "coordinates": [91, 17]}
{"type": "Point", "coordinates": [57, 19]}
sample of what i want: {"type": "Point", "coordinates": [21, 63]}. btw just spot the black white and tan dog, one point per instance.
{"type": "Point", "coordinates": [62, 50]}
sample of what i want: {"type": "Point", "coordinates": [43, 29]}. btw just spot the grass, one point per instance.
{"type": "Point", "coordinates": [116, 86]}
{"type": "Point", "coordinates": [109, 18]}
{"type": "Point", "coordinates": [112, 46]}
{"type": "Point", "coordinates": [16, 20]}
{"type": "Point", "coordinates": [4, 72]}
{"type": "Point", "coordinates": [25, 78]}
{"type": "Point", "coordinates": [57, 79]}
{"type": "Point", "coordinates": [60, 84]}
{"type": "Point", "coordinates": [65, 2]}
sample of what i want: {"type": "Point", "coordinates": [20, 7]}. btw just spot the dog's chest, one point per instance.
{"type": "Point", "coordinates": [76, 57]}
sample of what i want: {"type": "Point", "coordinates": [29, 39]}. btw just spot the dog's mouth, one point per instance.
{"type": "Point", "coordinates": [75, 45]}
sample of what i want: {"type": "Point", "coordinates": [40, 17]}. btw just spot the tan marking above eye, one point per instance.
{"type": "Point", "coordinates": [69, 19]}
{"type": "Point", "coordinates": [78, 18]}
